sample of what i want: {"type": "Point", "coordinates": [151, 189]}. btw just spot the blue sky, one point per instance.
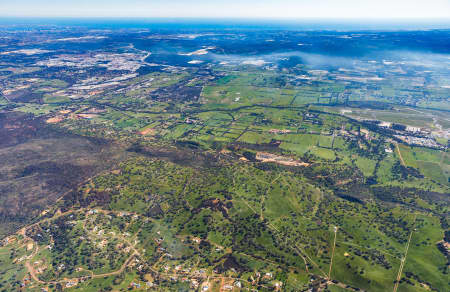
{"type": "Point", "coordinates": [357, 9]}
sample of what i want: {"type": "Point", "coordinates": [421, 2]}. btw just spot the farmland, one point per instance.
{"type": "Point", "coordinates": [176, 162]}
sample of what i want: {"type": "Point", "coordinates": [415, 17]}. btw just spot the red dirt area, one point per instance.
{"type": "Point", "coordinates": [149, 131]}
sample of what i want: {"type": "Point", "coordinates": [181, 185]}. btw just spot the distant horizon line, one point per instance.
{"type": "Point", "coordinates": [287, 19]}
{"type": "Point", "coordinates": [306, 23]}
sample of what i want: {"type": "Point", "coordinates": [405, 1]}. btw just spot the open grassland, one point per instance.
{"type": "Point", "coordinates": [149, 220]}
{"type": "Point", "coordinates": [433, 164]}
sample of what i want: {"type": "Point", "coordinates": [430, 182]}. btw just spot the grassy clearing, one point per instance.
{"type": "Point", "coordinates": [431, 163]}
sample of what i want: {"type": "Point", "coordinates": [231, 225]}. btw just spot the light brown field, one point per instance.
{"type": "Point", "coordinates": [269, 157]}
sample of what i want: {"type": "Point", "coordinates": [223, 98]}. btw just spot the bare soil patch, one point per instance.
{"type": "Point", "coordinates": [283, 160]}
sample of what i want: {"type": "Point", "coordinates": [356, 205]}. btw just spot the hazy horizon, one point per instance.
{"type": "Point", "coordinates": [282, 9]}
{"type": "Point", "coordinates": [193, 23]}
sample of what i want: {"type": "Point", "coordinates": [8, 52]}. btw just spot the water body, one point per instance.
{"type": "Point", "coordinates": [230, 23]}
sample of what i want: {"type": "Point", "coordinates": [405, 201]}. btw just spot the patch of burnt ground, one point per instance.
{"type": "Point", "coordinates": [229, 262]}
{"type": "Point", "coordinates": [215, 205]}
{"type": "Point", "coordinates": [40, 164]}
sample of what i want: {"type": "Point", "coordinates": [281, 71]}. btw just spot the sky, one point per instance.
{"type": "Point", "coordinates": [283, 9]}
